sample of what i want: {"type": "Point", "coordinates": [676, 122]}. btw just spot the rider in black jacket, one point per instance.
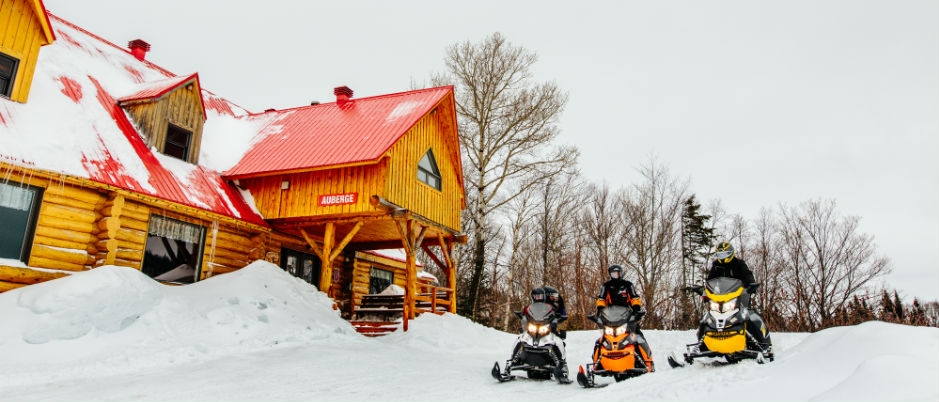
{"type": "Point", "coordinates": [620, 292]}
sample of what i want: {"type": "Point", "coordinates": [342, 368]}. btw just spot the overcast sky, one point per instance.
{"type": "Point", "coordinates": [758, 104]}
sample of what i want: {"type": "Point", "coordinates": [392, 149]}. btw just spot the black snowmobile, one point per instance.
{"type": "Point", "coordinates": [538, 351]}
{"type": "Point", "coordinates": [726, 327]}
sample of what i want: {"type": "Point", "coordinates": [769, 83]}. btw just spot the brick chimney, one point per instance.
{"type": "Point", "coordinates": [343, 94]}
{"type": "Point", "coordinates": [138, 48]}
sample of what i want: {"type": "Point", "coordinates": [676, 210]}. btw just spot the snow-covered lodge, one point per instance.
{"type": "Point", "coordinates": [108, 159]}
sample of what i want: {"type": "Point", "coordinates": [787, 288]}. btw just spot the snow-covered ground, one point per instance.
{"type": "Point", "coordinates": [112, 334]}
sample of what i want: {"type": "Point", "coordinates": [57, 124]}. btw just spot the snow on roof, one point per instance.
{"type": "Point", "coordinates": [73, 125]}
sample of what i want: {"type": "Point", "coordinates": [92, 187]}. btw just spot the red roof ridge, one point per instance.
{"type": "Point", "coordinates": [353, 100]}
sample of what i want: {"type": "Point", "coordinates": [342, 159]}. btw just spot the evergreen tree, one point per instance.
{"type": "Point", "coordinates": [696, 242]}
{"type": "Point", "coordinates": [918, 314]}
{"type": "Point", "coordinates": [898, 308]}
{"type": "Point", "coordinates": [887, 309]}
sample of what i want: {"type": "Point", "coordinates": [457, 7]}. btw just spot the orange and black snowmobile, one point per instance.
{"type": "Point", "coordinates": [619, 353]}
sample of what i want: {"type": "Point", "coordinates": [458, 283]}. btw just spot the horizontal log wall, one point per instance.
{"type": "Point", "coordinates": [361, 276]}
{"type": "Point", "coordinates": [67, 228]}
{"type": "Point", "coordinates": [122, 235]}
{"type": "Point", "coordinates": [80, 228]}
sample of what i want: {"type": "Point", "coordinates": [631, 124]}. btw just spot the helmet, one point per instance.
{"type": "Point", "coordinates": [616, 271]}
{"type": "Point", "coordinates": [537, 295]}
{"type": "Point", "coordinates": [724, 252]}
{"type": "Point", "coordinates": [552, 294]}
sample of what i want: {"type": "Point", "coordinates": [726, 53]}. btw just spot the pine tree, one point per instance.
{"type": "Point", "coordinates": [887, 309]}
{"type": "Point", "coordinates": [696, 242]}
{"type": "Point", "coordinates": [898, 308]}
{"type": "Point", "coordinates": [918, 314]}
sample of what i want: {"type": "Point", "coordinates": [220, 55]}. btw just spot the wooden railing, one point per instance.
{"type": "Point", "coordinates": [433, 299]}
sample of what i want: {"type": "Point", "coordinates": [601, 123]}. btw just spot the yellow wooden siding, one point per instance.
{"type": "Point", "coordinates": [21, 36]}
{"type": "Point", "coordinates": [442, 206]}
{"type": "Point", "coordinates": [181, 107]}
{"type": "Point", "coordinates": [301, 198]}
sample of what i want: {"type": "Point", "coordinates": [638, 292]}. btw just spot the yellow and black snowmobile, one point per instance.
{"type": "Point", "coordinates": [618, 353]}
{"type": "Point", "coordinates": [730, 328]}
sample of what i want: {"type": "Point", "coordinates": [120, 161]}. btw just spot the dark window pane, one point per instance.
{"type": "Point", "coordinates": [379, 280]}
{"type": "Point", "coordinates": [7, 74]}
{"type": "Point", "coordinates": [177, 142]}
{"type": "Point", "coordinates": [174, 250]}
{"type": "Point", "coordinates": [19, 205]}
{"type": "Point", "coordinates": [427, 171]}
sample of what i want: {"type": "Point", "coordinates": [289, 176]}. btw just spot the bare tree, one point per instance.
{"type": "Point", "coordinates": [601, 229]}
{"type": "Point", "coordinates": [507, 125]}
{"type": "Point", "coordinates": [829, 259]}
{"type": "Point", "coordinates": [653, 239]}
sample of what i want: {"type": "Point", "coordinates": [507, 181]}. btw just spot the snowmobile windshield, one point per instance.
{"type": "Point", "coordinates": [540, 312]}
{"type": "Point", "coordinates": [724, 285]}
{"type": "Point", "coordinates": [615, 316]}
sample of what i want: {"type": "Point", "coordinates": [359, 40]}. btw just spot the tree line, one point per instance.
{"type": "Point", "coordinates": [532, 220]}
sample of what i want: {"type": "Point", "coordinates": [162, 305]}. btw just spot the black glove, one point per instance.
{"type": "Point", "coordinates": [637, 309]}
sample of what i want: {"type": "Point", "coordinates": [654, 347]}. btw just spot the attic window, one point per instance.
{"type": "Point", "coordinates": [8, 67]}
{"type": "Point", "coordinates": [178, 141]}
{"type": "Point", "coordinates": [427, 171]}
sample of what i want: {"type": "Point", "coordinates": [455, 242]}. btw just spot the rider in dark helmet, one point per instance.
{"type": "Point", "coordinates": [538, 295]}
{"type": "Point", "coordinates": [620, 292]}
{"type": "Point", "coordinates": [554, 298]}
{"type": "Point", "coordinates": [727, 264]}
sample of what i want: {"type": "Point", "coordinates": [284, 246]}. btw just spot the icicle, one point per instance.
{"type": "Point", "coordinates": [212, 249]}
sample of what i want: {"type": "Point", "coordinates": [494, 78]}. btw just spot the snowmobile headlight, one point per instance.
{"type": "Point", "coordinates": [714, 306]}
{"type": "Point", "coordinates": [544, 330]}
{"type": "Point", "coordinates": [541, 330]}
{"type": "Point", "coordinates": [620, 330]}
{"type": "Point", "coordinates": [730, 305]}
{"type": "Point", "coordinates": [609, 331]}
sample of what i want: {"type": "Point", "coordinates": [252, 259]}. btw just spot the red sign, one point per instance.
{"type": "Point", "coordinates": [338, 199]}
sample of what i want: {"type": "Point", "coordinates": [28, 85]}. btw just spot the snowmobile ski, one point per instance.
{"type": "Point", "coordinates": [502, 377]}
{"type": "Point", "coordinates": [562, 377]}
{"type": "Point", "coordinates": [674, 362]}
{"type": "Point", "coordinates": [587, 382]}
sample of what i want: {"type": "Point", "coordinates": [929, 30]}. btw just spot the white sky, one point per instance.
{"type": "Point", "coordinates": [757, 103]}
{"type": "Point", "coordinates": [259, 334]}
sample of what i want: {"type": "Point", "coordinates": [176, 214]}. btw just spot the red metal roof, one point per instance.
{"type": "Point", "coordinates": [356, 131]}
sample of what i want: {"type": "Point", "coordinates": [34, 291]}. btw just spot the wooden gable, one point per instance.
{"type": "Point", "coordinates": [24, 28]}
{"type": "Point", "coordinates": [436, 132]}
{"type": "Point", "coordinates": [360, 190]}
{"type": "Point", "coordinates": [176, 102]}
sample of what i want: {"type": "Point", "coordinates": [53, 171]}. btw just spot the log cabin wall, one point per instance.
{"type": "Point", "coordinates": [403, 188]}
{"type": "Point", "coordinates": [181, 107]}
{"type": "Point", "coordinates": [361, 274]}
{"type": "Point", "coordinates": [80, 227]}
{"type": "Point", "coordinates": [21, 35]}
